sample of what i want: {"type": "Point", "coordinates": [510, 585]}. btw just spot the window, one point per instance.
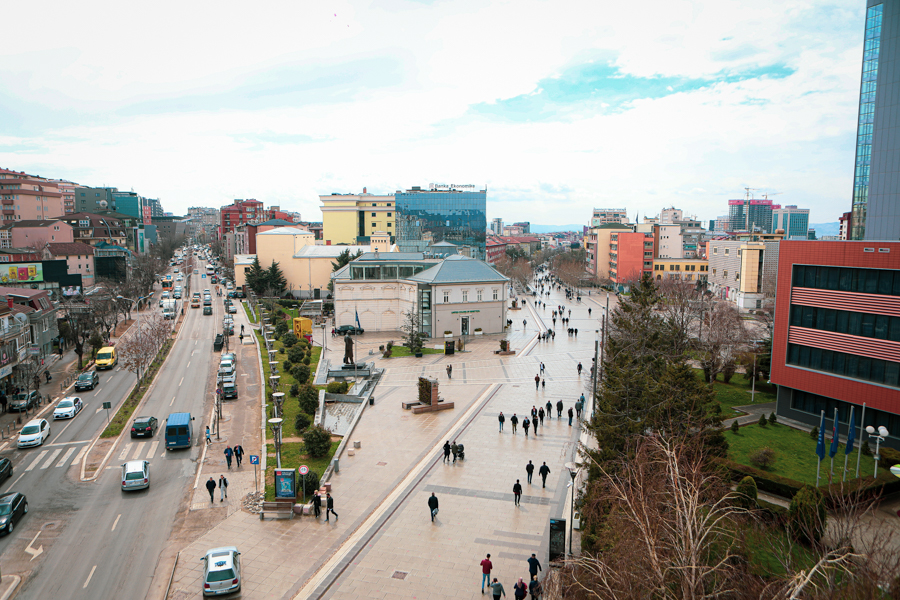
{"type": "Point", "coordinates": [715, 250]}
{"type": "Point", "coordinates": [374, 225]}
{"type": "Point", "coordinates": [389, 214]}
{"type": "Point", "coordinates": [479, 296]}
{"type": "Point", "coordinates": [373, 214]}
{"type": "Point", "coordinates": [446, 296]}
{"type": "Point", "coordinates": [737, 276]}
{"type": "Point", "coordinates": [726, 251]}
{"type": "Point", "coordinates": [495, 295]}
{"type": "Point", "coordinates": [465, 295]}
{"type": "Point", "coordinates": [724, 273]}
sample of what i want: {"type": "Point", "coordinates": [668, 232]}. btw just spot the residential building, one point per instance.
{"type": "Point", "coordinates": [513, 230]}
{"type": "Point", "coordinates": [19, 255]}
{"type": "Point", "coordinates": [35, 234]}
{"type": "Point", "coordinates": [172, 227]}
{"type": "Point", "coordinates": [239, 213]}
{"type": "Point", "coordinates": [455, 214]}
{"type": "Point", "coordinates": [26, 197]}
{"type": "Point", "coordinates": [794, 221]}
{"type": "Point", "coordinates": [242, 265]}
{"type": "Point", "coordinates": [127, 203]}
{"type": "Point", "coordinates": [93, 200]}
{"type": "Point", "coordinates": [67, 189]}
{"type": "Point", "coordinates": [681, 269]}
{"type": "Point", "coordinates": [670, 215]}
{"type": "Point", "coordinates": [41, 313]}
{"type": "Point", "coordinates": [601, 216]}
{"type": "Point", "coordinates": [79, 259]}
{"type": "Point", "coordinates": [844, 231]}
{"type": "Point", "coordinates": [497, 226]}
{"type": "Point", "coordinates": [668, 241]}
{"type": "Point", "coordinates": [156, 209]}
{"type": "Point", "coordinates": [837, 334]}
{"type": "Point", "coordinates": [494, 249]}
{"type": "Point", "coordinates": [719, 224]}
{"type": "Point", "coordinates": [457, 294]}
{"type": "Point", "coordinates": [352, 218]}
{"type": "Point", "coordinates": [280, 244]}
{"type": "Point", "coordinates": [750, 214]}
{"type": "Point", "coordinates": [743, 271]}
{"type": "Point", "coordinates": [92, 228]}
{"type": "Point", "coordinates": [15, 340]}
{"type": "Point", "coordinates": [204, 223]}
{"type": "Point", "coordinates": [525, 226]}
{"type": "Point", "coordinates": [527, 244]}
{"type": "Point", "coordinates": [275, 213]}
{"type": "Point", "coordinates": [597, 247]}
{"type": "Point", "coordinates": [630, 256]}
{"type": "Point", "coordinates": [692, 235]}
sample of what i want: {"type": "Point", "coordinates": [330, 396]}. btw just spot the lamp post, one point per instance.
{"type": "Point", "coordinates": [276, 434]}
{"type": "Point", "coordinates": [882, 433]}
{"type": "Point", "coordinates": [573, 471]}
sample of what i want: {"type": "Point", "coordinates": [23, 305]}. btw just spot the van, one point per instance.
{"type": "Point", "coordinates": [106, 358]}
{"type": "Point", "coordinates": [179, 431]}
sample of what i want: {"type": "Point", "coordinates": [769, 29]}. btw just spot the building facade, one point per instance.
{"type": "Point", "coordinates": [630, 256]}
{"type": "Point", "coordinates": [457, 215]}
{"type": "Point", "coordinates": [750, 215]}
{"type": "Point", "coordinates": [601, 216]}
{"type": "Point", "coordinates": [681, 269]}
{"type": "Point", "coordinates": [352, 218]}
{"type": "Point", "coordinates": [794, 221]}
{"type": "Point", "coordinates": [743, 272]}
{"type": "Point", "coordinates": [239, 213]}
{"type": "Point", "coordinates": [26, 197]}
{"type": "Point", "coordinates": [36, 234]}
{"type": "Point", "coordinates": [497, 226]}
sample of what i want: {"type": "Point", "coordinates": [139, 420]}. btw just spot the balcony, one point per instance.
{"type": "Point", "coordinates": [7, 201]}
{"type": "Point", "coordinates": [9, 211]}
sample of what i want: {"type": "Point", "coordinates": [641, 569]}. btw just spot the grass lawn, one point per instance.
{"type": "Point", "coordinates": [291, 406]}
{"type": "Point", "coordinates": [398, 351]}
{"type": "Point", "coordinates": [763, 543]}
{"type": "Point", "coordinates": [292, 456]}
{"type": "Point", "coordinates": [250, 314]}
{"type": "Point", "coordinates": [737, 393]}
{"type": "Point", "coordinates": [795, 453]}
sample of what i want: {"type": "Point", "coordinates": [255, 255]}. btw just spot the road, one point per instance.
{"type": "Point", "coordinates": [96, 541]}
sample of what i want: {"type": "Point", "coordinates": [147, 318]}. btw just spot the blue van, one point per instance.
{"type": "Point", "coordinates": [179, 431]}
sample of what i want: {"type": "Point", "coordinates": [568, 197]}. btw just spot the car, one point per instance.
{"type": "Point", "coordinates": [176, 270]}
{"type": "Point", "coordinates": [207, 310]}
{"type": "Point", "coordinates": [68, 407]}
{"type": "Point", "coordinates": [24, 401]}
{"type": "Point", "coordinates": [34, 433]}
{"type": "Point", "coordinates": [6, 469]}
{"type": "Point", "coordinates": [206, 292]}
{"type": "Point", "coordinates": [163, 296]}
{"type": "Point", "coordinates": [221, 571]}
{"type": "Point", "coordinates": [136, 475]}
{"type": "Point", "coordinates": [220, 339]}
{"type": "Point", "coordinates": [229, 388]}
{"type": "Point", "coordinates": [179, 278]}
{"type": "Point", "coordinates": [144, 426]}
{"type": "Point", "coordinates": [232, 309]}
{"type": "Point", "coordinates": [349, 330]}
{"type": "Point", "coordinates": [13, 506]}
{"type": "Point", "coordinates": [87, 381]}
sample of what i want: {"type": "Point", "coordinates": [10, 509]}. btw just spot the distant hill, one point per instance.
{"type": "Point", "coordinates": [535, 228]}
{"type": "Point", "coordinates": [826, 228]}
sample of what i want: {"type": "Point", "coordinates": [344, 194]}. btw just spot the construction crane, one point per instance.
{"type": "Point", "coordinates": [750, 189]}
{"type": "Point", "coordinates": [767, 194]}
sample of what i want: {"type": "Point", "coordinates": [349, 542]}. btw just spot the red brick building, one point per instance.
{"type": "Point", "coordinates": [239, 213]}
{"type": "Point", "coordinates": [837, 333]}
{"type": "Point", "coordinates": [630, 256]}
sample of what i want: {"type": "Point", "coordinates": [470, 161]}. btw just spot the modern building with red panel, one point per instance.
{"type": "Point", "coordinates": [239, 213]}
{"type": "Point", "coordinates": [630, 256]}
{"type": "Point", "coordinates": [837, 333]}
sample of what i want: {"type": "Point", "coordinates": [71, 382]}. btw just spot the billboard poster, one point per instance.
{"type": "Point", "coordinates": [71, 290]}
{"type": "Point", "coordinates": [22, 272]}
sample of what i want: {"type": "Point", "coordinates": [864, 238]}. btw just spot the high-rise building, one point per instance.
{"type": "Point", "coordinates": [525, 225]}
{"type": "Point", "coordinates": [876, 147]}
{"type": "Point", "coordinates": [497, 226]}
{"type": "Point", "coordinates": [670, 215]}
{"type": "Point", "coordinates": [750, 214]}
{"type": "Point", "coordinates": [608, 215]}
{"type": "Point", "coordinates": [95, 199]}
{"type": "Point", "coordinates": [794, 221]}
{"type": "Point", "coordinates": [156, 209]}
{"type": "Point", "coordinates": [455, 214]}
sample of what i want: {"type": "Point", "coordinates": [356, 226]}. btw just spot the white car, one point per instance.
{"type": "Point", "coordinates": [68, 408]}
{"type": "Point", "coordinates": [34, 433]}
{"type": "Point", "coordinates": [221, 571]}
{"type": "Point", "coordinates": [135, 475]}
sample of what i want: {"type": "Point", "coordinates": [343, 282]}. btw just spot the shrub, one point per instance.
{"type": "Point", "coordinates": [308, 398]}
{"type": "Point", "coordinates": [865, 449]}
{"type": "Point", "coordinates": [317, 441]}
{"type": "Point", "coordinates": [728, 371]}
{"type": "Point", "coordinates": [295, 390]}
{"type": "Point", "coordinates": [287, 364]}
{"type": "Point", "coordinates": [735, 428]}
{"type": "Point", "coordinates": [337, 387]}
{"type": "Point", "coordinates": [762, 421]}
{"type": "Point", "coordinates": [296, 354]}
{"type": "Point", "coordinates": [301, 373]}
{"type": "Point", "coordinates": [388, 349]}
{"type": "Point", "coordinates": [814, 432]}
{"type": "Point", "coordinates": [306, 360]}
{"type": "Point", "coordinates": [746, 492]}
{"type": "Point", "coordinates": [281, 327]}
{"type": "Point", "coordinates": [889, 457]}
{"type": "Point", "coordinates": [289, 339]}
{"type": "Point", "coordinates": [806, 515]}
{"type": "Point", "coordinates": [311, 484]}
{"type": "Point", "coordinates": [302, 421]}
{"type": "Point", "coordinates": [424, 391]}
{"type": "Point", "coordinates": [763, 458]}
{"type": "Point", "coordinates": [772, 419]}
{"type": "Point", "coordinates": [504, 345]}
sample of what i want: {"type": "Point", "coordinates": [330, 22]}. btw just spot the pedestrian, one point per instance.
{"type": "Point", "coordinates": [576, 332]}
{"type": "Point", "coordinates": [543, 384]}
{"type": "Point", "coordinates": [449, 371]}
{"type": "Point", "coordinates": [589, 310]}
{"type": "Point", "coordinates": [242, 329]}
{"type": "Point", "coordinates": [501, 418]}
{"type": "Point", "coordinates": [534, 565]}
{"type": "Point", "coordinates": [497, 589]}
{"type": "Point", "coordinates": [3, 402]}
{"type": "Point", "coordinates": [486, 566]}
{"type": "Point", "coordinates": [520, 590]}
{"type": "Point", "coordinates": [537, 381]}
{"type": "Point", "coordinates": [517, 492]}
{"type": "Point", "coordinates": [579, 369]}
{"type": "Point", "coordinates": [238, 453]}
{"type": "Point", "coordinates": [529, 468]}
{"type": "Point", "coordinates": [535, 588]}
{"type": "Point", "coordinates": [514, 420]}
{"type": "Point", "coordinates": [446, 451]}
{"type": "Point", "coordinates": [524, 324]}
{"type": "Point", "coordinates": [549, 412]}
{"type": "Point", "coordinates": [559, 407]}
{"type": "Point", "coordinates": [525, 425]}
{"type": "Point", "coordinates": [541, 415]}
{"type": "Point", "coordinates": [223, 488]}
{"type": "Point", "coordinates": [542, 368]}
{"type": "Point", "coordinates": [228, 454]}
{"type": "Point", "coordinates": [433, 506]}
{"type": "Point", "coordinates": [454, 449]}
{"type": "Point", "coordinates": [317, 503]}
{"type": "Point", "coordinates": [208, 441]}
{"type": "Point", "coordinates": [211, 488]}
{"type": "Point", "coordinates": [329, 507]}
{"type": "Point", "coordinates": [571, 412]}
{"type": "Point", "coordinates": [534, 413]}
{"type": "Point", "coordinates": [544, 471]}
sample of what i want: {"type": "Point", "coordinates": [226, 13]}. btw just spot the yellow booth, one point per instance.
{"type": "Point", "coordinates": [303, 328]}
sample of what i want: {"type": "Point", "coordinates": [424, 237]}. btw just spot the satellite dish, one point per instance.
{"type": "Point", "coordinates": [102, 204]}
{"type": "Point", "coordinates": [21, 318]}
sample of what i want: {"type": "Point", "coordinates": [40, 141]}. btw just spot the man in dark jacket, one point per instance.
{"type": "Point", "coordinates": [529, 468]}
{"type": "Point", "coordinates": [211, 488]}
{"type": "Point", "coordinates": [559, 407]}
{"type": "Point", "coordinates": [454, 449]}
{"type": "Point", "coordinates": [502, 419]}
{"type": "Point", "coordinates": [544, 471]}
{"type": "Point", "coordinates": [238, 453]}
{"type": "Point", "coordinates": [329, 508]}
{"type": "Point", "coordinates": [514, 420]}
{"type": "Point", "coordinates": [549, 410]}
{"type": "Point", "coordinates": [517, 491]}
{"type": "Point", "coordinates": [317, 504]}
{"type": "Point", "coordinates": [447, 451]}
{"type": "Point", "coordinates": [534, 565]}
{"type": "Point", "coordinates": [433, 505]}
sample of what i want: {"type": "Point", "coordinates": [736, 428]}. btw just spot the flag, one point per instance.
{"type": "Point", "coordinates": [834, 437]}
{"type": "Point", "coordinates": [357, 320]}
{"type": "Point", "coordinates": [851, 433]}
{"type": "Point", "coordinates": [820, 447]}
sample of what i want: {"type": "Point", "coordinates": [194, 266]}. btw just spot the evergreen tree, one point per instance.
{"type": "Point", "coordinates": [256, 277]}
{"type": "Point", "coordinates": [343, 260]}
{"type": "Point", "coordinates": [275, 280]}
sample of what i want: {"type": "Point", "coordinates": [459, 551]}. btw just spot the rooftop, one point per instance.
{"type": "Point", "coordinates": [459, 269]}
{"type": "Point", "coordinates": [285, 231]}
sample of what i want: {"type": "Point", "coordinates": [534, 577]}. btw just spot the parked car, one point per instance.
{"type": "Point", "coordinates": [144, 427]}
{"type": "Point", "coordinates": [229, 388]}
{"type": "Point", "coordinates": [6, 469]}
{"type": "Point", "coordinates": [13, 506]}
{"type": "Point", "coordinates": [350, 330]}
{"type": "Point", "coordinates": [136, 475]}
{"type": "Point", "coordinates": [221, 571]}
{"type": "Point", "coordinates": [34, 433]}
{"type": "Point", "coordinates": [232, 309]}
{"type": "Point", "coordinates": [68, 408]}
{"type": "Point", "coordinates": [24, 401]}
{"type": "Point", "coordinates": [87, 381]}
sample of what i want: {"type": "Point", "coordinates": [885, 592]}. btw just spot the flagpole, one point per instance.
{"type": "Point", "coordinates": [862, 423]}
{"type": "Point", "coordinates": [850, 436]}
{"type": "Point", "coordinates": [822, 455]}
{"type": "Point", "coordinates": [834, 437]}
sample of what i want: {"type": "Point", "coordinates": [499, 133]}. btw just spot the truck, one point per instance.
{"type": "Point", "coordinates": [169, 308]}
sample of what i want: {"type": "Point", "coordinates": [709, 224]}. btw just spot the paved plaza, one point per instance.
{"type": "Point", "coordinates": [384, 544]}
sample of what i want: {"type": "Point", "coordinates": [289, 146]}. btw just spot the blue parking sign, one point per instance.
{"type": "Point", "coordinates": [203, 276]}
{"type": "Point", "coordinates": [254, 459]}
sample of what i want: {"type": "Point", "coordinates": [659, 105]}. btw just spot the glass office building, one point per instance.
{"type": "Point", "coordinates": [458, 216]}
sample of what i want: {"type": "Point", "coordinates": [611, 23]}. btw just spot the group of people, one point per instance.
{"type": "Point", "coordinates": [453, 449]}
{"type": "Point", "coordinates": [237, 452]}
{"type": "Point", "coordinates": [329, 505]}
{"type": "Point", "coordinates": [520, 588]}
{"type": "Point", "coordinates": [537, 416]}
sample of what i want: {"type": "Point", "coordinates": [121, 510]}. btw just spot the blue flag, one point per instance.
{"type": "Point", "coordinates": [820, 446]}
{"type": "Point", "coordinates": [834, 437]}
{"type": "Point", "coordinates": [357, 320]}
{"type": "Point", "coordinates": [851, 434]}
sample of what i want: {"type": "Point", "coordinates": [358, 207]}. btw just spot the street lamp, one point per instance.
{"type": "Point", "coordinates": [573, 471]}
{"type": "Point", "coordinates": [882, 433]}
{"type": "Point", "coordinates": [276, 433]}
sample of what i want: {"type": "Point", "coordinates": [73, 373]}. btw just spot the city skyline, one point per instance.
{"type": "Point", "coordinates": [700, 104]}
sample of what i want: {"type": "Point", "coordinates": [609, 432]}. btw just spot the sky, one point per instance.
{"type": "Point", "coordinates": [556, 107]}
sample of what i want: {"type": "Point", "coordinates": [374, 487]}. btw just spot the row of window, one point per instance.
{"type": "Point", "coordinates": [465, 295]}
{"type": "Point", "coordinates": [815, 404]}
{"type": "Point", "coordinates": [673, 267]}
{"type": "Point", "coordinates": [880, 327]}
{"type": "Point", "coordinates": [848, 279]}
{"type": "Point", "coordinates": [374, 225]}
{"type": "Point", "coordinates": [376, 214]}
{"type": "Point", "coordinates": [874, 370]}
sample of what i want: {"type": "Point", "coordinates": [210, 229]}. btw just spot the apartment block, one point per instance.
{"type": "Point", "coordinates": [353, 218]}
{"type": "Point", "coordinates": [26, 197]}
{"type": "Point", "coordinates": [742, 271]}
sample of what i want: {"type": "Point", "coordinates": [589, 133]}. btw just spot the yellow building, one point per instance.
{"type": "Point", "coordinates": [684, 269]}
{"type": "Point", "coordinates": [353, 218]}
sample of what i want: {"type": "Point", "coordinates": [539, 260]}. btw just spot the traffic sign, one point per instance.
{"type": "Point", "coordinates": [304, 469]}
{"type": "Point", "coordinates": [254, 459]}
{"type": "Point", "coordinates": [203, 276]}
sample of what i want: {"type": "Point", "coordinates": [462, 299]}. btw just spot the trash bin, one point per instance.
{"type": "Point", "coordinates": [371, 400]}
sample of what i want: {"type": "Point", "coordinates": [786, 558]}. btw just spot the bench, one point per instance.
{"type": "Point", "coordinates": [280, 508]}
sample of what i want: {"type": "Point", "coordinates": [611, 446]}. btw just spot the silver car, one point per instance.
{"type": "Point", "coordinates": [135, 475]}
{"type": "Point", "coordinates": [221, 571]}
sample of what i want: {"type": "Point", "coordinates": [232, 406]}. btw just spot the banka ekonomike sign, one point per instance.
{"type": "Point", "coordinates": [450, 186]}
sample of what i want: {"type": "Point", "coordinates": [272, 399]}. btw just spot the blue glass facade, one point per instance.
{"type": "Point", "coordinates": [866, 123]}
{"type": "Point", "coordinates": [458, 217]}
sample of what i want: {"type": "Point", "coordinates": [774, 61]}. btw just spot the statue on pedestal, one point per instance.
{"type": "Point", "coordinates": [348, 350]}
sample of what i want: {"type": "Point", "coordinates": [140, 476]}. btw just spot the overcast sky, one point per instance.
{"type": "Point", "coordinates": [556, 107]}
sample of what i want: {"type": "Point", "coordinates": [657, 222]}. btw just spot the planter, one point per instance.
{"type": "Point", "coordinates": [418, 355]}
{"type": "Point", "coordinates": [479, 333]}
{"type": "Point", "coordinates": [448, 335]}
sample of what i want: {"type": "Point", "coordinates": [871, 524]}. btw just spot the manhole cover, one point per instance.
{"type": "Point", "coordinates": [381, 464]}
{"type": "Point", "coordinates": [399, 575]}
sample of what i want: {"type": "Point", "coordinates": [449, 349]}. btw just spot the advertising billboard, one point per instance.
{"type": "Point", "coordinates": [22, 272]}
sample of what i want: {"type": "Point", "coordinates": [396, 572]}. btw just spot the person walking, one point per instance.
{"type": "Point", "coordinates": [486, 566]}
{"type": "Point", "coordinates": [520, 590]}
{"type": "Point", "coordinates": [211, 488]}
{"type": "Point", "coordinates": [223, 488]}
{"type": "Point", "coordinates": [517, 492]}
{"type": "Point", "coordinates": [454, 449]}
{"type": "Point", "coordinates": [571, 413]}
{"type": "Point", "coordinates": [542, 368]}
{"type": "Point", "coordinates": [544, 471]}
{"type": "Point", "coordinates": [242, 329]}
{"type": "Point", "coordinates": [537, 381]}
{"type": "Point", "coordinates": [524, 323]}
{"type": "Point", "coordinates": [549, 410]}
{"type": "Point", "coordinates": [446, 451]}
{"type": "Point", "coordinates": [534, 565]}
{"type": "Point", "coordinates": [514, 420]}
{"type": "Point", "coordinates": [208, 441]}
{"type": "Point", "coordinates": [535, 589]}
{"type": "Point", "coordinates": [525, 425]}
{"type": "Point", "coordinates": [541, 415]}
{"type": "Point", "coordinates": [433, 506]}
{"type": "Point", "coordinates": [534, 413]}
{"type": "Point", "coordinates": [501, 418]}
{"type": "Point", "coordinates": [497, 589]}
{"type": "Point", "coordinates": [559, 407]}
{"type": "Point", "coordinates": [449, 371]}
{"type": "Point", "coordinates": [579, 369]}
{"type": "Point", "coordinates": [317, 503]}
{"type": "Point", "coordinates": [543, 384]}
{"type": "Point", "coordinates": [329, 507]}
{"type": "Point", "coordinates": [529, 468]}
{"type": "Point", "coordinates": [589, 309]}
{"type": "Point", "coordinates": [238, 453]}
{"type": "Point", "coordinates": [228, 454]}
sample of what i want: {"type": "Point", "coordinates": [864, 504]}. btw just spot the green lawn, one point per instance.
{"type": "Point", "coordinates": [398, 351]}
{"type": "Point", "coordinates": [291, 407]}
{"type": "Point", "coordinates": [249, 312]}
{"type": "Point", "coordinates": [795, 453]}
{"type": "Point", "coordinates": [737, 393]}
{"type": "Point", "coordinates": [292, 456]}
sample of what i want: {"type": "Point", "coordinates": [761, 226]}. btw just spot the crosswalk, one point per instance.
{"type": "Point", "coordinates": [67, 457]}
{"type": "Point", "coordinates": [46, 458]}
{"type": "Point", "coordinates": [140, 450]}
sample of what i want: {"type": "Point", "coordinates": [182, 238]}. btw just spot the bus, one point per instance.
{"type": "Point", "coordinates": [210, 269]}
{"type": "Point", "coordinates": [167, 283]}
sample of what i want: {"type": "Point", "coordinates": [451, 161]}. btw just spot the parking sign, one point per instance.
{"type": "Point", "coordinates": [254, 459]}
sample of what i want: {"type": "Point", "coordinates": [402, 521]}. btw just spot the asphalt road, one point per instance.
{"type": "Point", "coordinates": [97, 541]}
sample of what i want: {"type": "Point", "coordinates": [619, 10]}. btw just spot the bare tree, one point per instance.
{"type": "Point", "coordinates": [680, 308]}
{"type": "Point", "coordinates": [725, 334]}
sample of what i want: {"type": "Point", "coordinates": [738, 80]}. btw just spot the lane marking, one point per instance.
{"type": "Point", "coordinates": [173, 401]}
{"type": "Point", "coordinates": [152, 451]}
{"type": "Point", "coordinates": [72, 420]}
{"type": "Point", "coordinates": [37, 460]}
{"type": "Point", "coordinates": [189, 364]}
{"type": "Point", "coordinates": [51, 458]}
{"type": "Point", "coordinates": [65, 457]}
{"type": "Point", "coordinates": [16, 481]}
{"type": "Point", "coordinates": [125, 451]}
{"type": "Point", "coordinates": [3, 447]}
{"type": "Point", "coordinates": [137, 451]}
{"type": "Point", "coordinates": [116, 522]}
{"type": "Point", "coordinates": [180, 382]}
{"type": "Point", "coordinates": [81, 454]}
{"type": "Point", "coordinates": [89, 577]}
{"type": "Point", "coordinates": [66, 443]}
{"type": "Point", "coordinates": [34, 552]}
